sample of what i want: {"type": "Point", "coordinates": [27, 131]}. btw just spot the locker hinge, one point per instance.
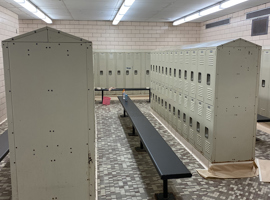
{"type": "Point", "coordinates": [89, 159]}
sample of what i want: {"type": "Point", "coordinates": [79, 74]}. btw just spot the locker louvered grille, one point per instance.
{"type": "Point", "coordinates": [192, 106]}
{"type": "Point", "coordinates": [192, 88]}
{"type": "Point", "coordinates": [200, 109]}
{"type": "Point", "coordinates": [200, 91]}
{"type": "Point", "coordinates": [207, 147]}
{"type": "Point", "coordinates": [191, 135]}
{"type": "Point", "coordinates": [185, 102]}
{"type": "Point", "coordinates": [199, 140]}
{"type": "Point", "coordinates": [201, 60]}
{"type": "Point", "coordinates": [186, 86]}
{"type": "Point", "coordinates": [180, 99]}
{"type": "Point", "coordinates": [185, 130]}
{"type": "Point", "coordinates": [208, 114]}
{"type": "Point", "coordinates": [209, 93]}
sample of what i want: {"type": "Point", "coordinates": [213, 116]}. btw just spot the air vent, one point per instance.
{"type": "Point", "coordinates": [258, 13]}
{"type": "Point", "coordinates": [260, 26]}
{"type": "Point", "coordinates": [219, 23]}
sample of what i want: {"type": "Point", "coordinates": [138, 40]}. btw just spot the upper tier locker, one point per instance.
{"type": "Point", "coordinates": [102, 66]}
{"type": "Point", "coordinates": [210, 76]}
{"type": "Point", "coordinates": [263, 107]}
{"type": "Point", "coordinates": [129, 70]}
{"type": "Point", "coordinates": [193, 73]}
{"type": "Point", "coordinates": [111, 70]}
{"type": "Point", "coordinates": [186, 71]}
{"type": "Point", "coordinates": [201, 75]}
{"type": "Point", "coordinates": [180, 66]}
{"type": "Point", "coordinates": [120, 72]}
{"type": "Point", "coordinates": [137, 71]}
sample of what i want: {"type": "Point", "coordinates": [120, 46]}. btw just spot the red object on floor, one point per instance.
{"type": "Point", "coordinates": [106, 101]}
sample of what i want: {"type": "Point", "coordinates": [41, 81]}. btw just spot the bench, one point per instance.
{"type": "Point", "coordinates": [166, 162]}
{"type": "Point", "coordinates": [261, 118]}
{"type": "Point", "coordinates": [121, 89]}
{"type": "Point", "coordinates": [4, 148]}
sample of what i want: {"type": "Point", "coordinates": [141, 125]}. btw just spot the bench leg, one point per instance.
{"type": "Point", "coordinates": [124, 115]}
{"type": "Point", "coordinates": [133, 132]}
{"type": "Point", "coordinates": [102, 94]}
{"type": "Point", "coordinates": [140, 149]}
{"type": "Point", "coordinates": [165, 195]}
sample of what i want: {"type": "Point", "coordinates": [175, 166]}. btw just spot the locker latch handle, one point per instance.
{"type": "Point", "coordinates": [263, 83]}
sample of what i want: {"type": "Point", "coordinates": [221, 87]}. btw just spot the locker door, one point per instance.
{"type": "Point", "coordinates": [210, 76]}
{"type": "Point", "coordinates": [199, 126]}
{"type": "Point", "coordinates": [128, 70]}
{"type": "Point", "coordinates": [208, 131]}
{"type": "Point", "coordinates": [264, 84]}
{"type": "Point", "coordinates": [111, 70]}
{"type": "Point", "coordinates": [186, 72]}
{"type": "Point", "coordinates": [193, 73]}
{"type": "Point", "coordinates": [102, 61]}
{"type": "Point", "coordinates": [179, 121]}
{"type": "Point", "coordinates": [192, 121]}
{"type": "Point", "coordinates": [166, 112]}
{"type": "Point", "coordinates": [162, 112]}
{"type": "Point", "coordinates": [137, 72]}
{"type": "Point", "coordinates": [201, 76]}
{"type": "Point", "coordinates": [185, 109]}
{"type": "Point", "coordinates": [147, 71]}
{"type": "Point", "coordinates": [120, 72]}
{"type": "Point", "coordinates": [181, 71]}
{"type": "Point", "coordinates": [174, 122]}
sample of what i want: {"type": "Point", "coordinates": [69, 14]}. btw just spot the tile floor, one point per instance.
{"type": "Point", "coordinates": [125, 174]}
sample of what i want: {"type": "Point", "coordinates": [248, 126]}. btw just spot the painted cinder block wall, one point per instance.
{"type": "Point", "coordinates": [9, 27]}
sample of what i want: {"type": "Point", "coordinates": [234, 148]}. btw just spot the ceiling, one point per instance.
{"type": "Point", "coordinates": [141, 10]}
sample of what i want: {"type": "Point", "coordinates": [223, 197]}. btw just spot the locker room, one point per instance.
{"type": "Point", "coordinates": [134, 100]}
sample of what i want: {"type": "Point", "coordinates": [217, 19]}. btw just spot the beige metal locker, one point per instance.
{"type": "Point", "coordinates": [225, 92]}
{"type": "Point", "coordinates": [50, 105]}
{"type": "Point", "coordinates": [111, 70]}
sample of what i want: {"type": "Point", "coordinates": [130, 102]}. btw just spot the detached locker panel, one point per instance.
{"type": "Point", "coordinates": [50, 116]}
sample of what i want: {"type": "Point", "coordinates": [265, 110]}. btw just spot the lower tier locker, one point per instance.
{"type": "Point", "coordinates": [166, 112]}
{"type": "Point", "coordinates": [199, 126]}
{"type": "Point", "coordinates": [192, 121]}
{"type": "Point", "coordinates": [179, 122]}
{"type": "Point", "coordinates": [174, 121]}
{"type": "Point", "coordinates": [208, 131]}
{"type": "Point", "coordinates": [185, 125]}
{"type": "Point", "coordinates": [111, 71]}
{"type": "Point", "coordinates": [170, 114]}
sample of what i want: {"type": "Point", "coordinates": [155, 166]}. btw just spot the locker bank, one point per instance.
{"type": "Point", "coordinates": [131, 99]}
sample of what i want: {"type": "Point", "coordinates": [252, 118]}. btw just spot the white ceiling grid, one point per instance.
{"type": "Point", "coordinates": [141, 10]}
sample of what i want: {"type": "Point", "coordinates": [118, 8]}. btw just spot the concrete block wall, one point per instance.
{"type": "Point", "coordinates": [239, 27]}
{"type": "Point", "coordinates": [126, 35]}
{"type": "Point", "coordinates": [9, 27]}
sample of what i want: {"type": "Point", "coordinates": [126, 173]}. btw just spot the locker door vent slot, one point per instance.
{"type": "Point", "coordinates": [179, 73]}
{"type": "Point", "coordinates": [136, 72]}
{"type": "Point", "coordinates": [147, 72]}
{"type": "Point", "coordinates": [127, 72]}
{"type": "Point", "coordinates": [169, 107]}
{"type": "Point", "coordinates": [190, 121]}
{"type": "Point", "coordinates": [206, 133]}
{"type": "Point", "coordinates": [263, 83]}
{"type": "Point", "coordinates": [179, 114]}
{"type": "Point", "coordinates": [173, 110]}
{"type": "Point", "coordinates": [174, 72]}
{"type": "Point", "coordinates": [198, 127]}
{"type": "Point", "coordinates": [184, 117]}
{"type": "Point", "coordinates": [185, 75]}
{"type": "Point", "coordinates": [208, 82]}
{"type": "Point", "coordinates": [170, 71]}
{"type": "Point", "coordinates": [207, 147]}
{"type": "Point", "coordinates": [199, 77]}
{"type": "Point", "coordinates": [118, 72]}
{"type": "Point", "coordinates": [192, 76]}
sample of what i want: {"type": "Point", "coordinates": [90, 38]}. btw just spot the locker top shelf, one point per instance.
{"type": "Point", "coordinates": [47, 35]}
{"type": "Point", "coordinates": [229, 43]}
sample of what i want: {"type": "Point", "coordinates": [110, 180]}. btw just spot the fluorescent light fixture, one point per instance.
{"type": "Point", "coordinates": [122, 11]}
{"type": "Point", "coordinates": [230, 3]}
{"type": "Point", "coordinates": [33, 9]}
{"type": "Point", "coordinates": [192, 17]}
{"type": "Point", "coordinates": [207, 11]}
{"type": "Point", "coordinates": [180, 21]}
{"type": "Point", "coordinates": [128, 2]}
{"type": "Point", "coordinates": [211, 10]}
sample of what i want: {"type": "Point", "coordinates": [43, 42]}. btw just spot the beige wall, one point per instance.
{"type": "Point", "coordinates": [9, 27]}
{"type": "Point", "coordinates": [126, 35]}
{"type": "Point", "coordinates": [239, 27]}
